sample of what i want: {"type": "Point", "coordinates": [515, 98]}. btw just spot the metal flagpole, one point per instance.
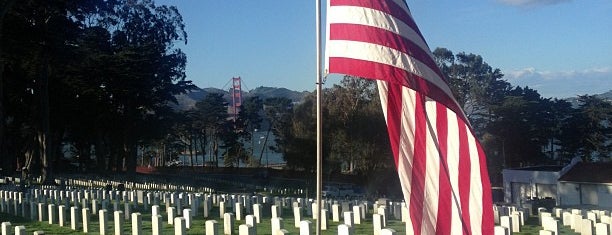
{"type": "Point", "coordinates": [319, 121]}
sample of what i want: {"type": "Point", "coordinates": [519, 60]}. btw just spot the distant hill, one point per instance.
{"type": "Point", "coordinates": [607, 96]}
{"type": "Point", "coordinates": [273, 92]}
{"type": "Point", "coordinates": [189, 99]}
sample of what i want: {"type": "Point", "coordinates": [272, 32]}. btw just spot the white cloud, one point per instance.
{"type": "Point", "coordinates": [562, 84]}
{"type": "Point", "coordinates": [532, 3]}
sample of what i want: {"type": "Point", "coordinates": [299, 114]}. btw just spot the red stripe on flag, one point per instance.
{"type": "Point", "coordinates": [386, 6]}
{"type": "Point", "coordinates": [487, 211]}
{"type": "Point", "coordinates": [417, 191]}
{"type": "Point", "coordinates": [394, 115]}
{"type": "Point", "coordinates": [464, 176]}
{"type": "Point", "coordinates": [443, 224]}
{"type": "Point", "coordinates": [369, 34]}
{"type": "Point", "coordinates": [393, 75]}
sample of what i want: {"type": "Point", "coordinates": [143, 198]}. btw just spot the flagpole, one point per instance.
{"type": "Point", "coordinates": [319, 121]}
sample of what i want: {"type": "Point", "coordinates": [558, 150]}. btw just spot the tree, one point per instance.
{"type": "Point", "coordinates": [251, 119]}
{"type": "Point", "coordinates": [355, 126]}
{"type": "Point", "coordinates": [88, 71]}
{"type": "Point", "coordinates": [212, 111]}
{"type": "Point", "coordinates": [588, 132]}
{"type": "Point", "coordinates": [475, 84]}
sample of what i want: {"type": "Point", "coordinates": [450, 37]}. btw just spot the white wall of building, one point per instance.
{"type": "Point", "coordinates": [573, 194]}
{"type": "Point", "coordinates": [520, 185]}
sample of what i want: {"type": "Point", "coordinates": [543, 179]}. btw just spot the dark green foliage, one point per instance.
{"type": "Point", "coordinates": [92, 74]}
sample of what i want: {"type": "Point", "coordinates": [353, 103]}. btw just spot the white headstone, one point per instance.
{"type": "Point", "coordinates": [171, 214]}
{"type": "Point", "coordinates": [258, 212]}
{"type": "Point", "coordinates": [221, 209]}
{"type": "Point", "coordinates": [251, 220]}
{"type": "Point", "coordinates": [377, 223]}
{"type": "Point", "coordinates": [228, 223]}
{"type": "Point", "coordinates": [20, 230]}
{"type": "Point", "coordinates": [85, 216]}
{"type": "Point", "coordinates": [276, 225]}
{"type": "Point", "coordinates": [506, 221]}
{"type": "Point", "coordinates": [516, 222]}
{"type": "Point", "coordinates": [576, 224]}
{"type": "Point", "coordinates": [276, 211]}
{"type": "Point", "coordinates": [63, 219]}
{"type": "Point", "coordinates": [602, 229]}
{"type": "Point", "coordinates": [336, 213]}
{"type": "Point", "coordinates": [245, 229]}
{"type": "Point", "coordinates": [349, 218]}
{"type": "Point", "coordinates": [344, 229]}
{"type": "Point", "coordinates": [567, 218]}
{"type": "Point", "coordinates": [546, 232]}
{"type": "Point", "coordinates": [558, 212]}
{"type": "Point", "coordinates": [212, 227]}
{"type": "Point", "coordinates": [188, 218]}
{"type": "Point", "coordinates": [297, 216]}
{"type": "Point", "coordinates": [74, 218]}
{"type": "Point", "coordinates": [238, 210]}
{"type": "Point", "coordinates": [305, 227]}
{"type": "Point", "coordinates": [179, 226]}
{"type": "Point", "coordinates": [156, 225]}
{"type": "Point", "coordinates": [137, 223]}
{"type": "Point", "coordinates": [550, 224]}
{"type": "Point", "coordinates": [324, 219]}
{"type": "Point", "coordinates": [103, 221]}
{"type": "Point", "coordinates": [382, 210]}
{"type": "Point", "coordinates": [357, 214]}
{"type": "Point", "coordinates": [387, 231]}
{"type": "Point", "coordinates": [587, 227]}
{"type": "Point", "coordinates": [500, 230]}
{"type": "Point", "coordinates": [592, 216]}
{"type": "Point", "coordinates": [7, 228]}
{"type": "Point", "coordinates": [119, 218]}
{"type": "Point", "coordinates": [52, 213]}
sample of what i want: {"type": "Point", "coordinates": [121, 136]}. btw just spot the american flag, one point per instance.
{"type": "Point", "coordinates": [440, 163]}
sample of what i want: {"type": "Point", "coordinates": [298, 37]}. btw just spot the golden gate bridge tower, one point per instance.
{"type": "Point", "coordinates": [236, 93]}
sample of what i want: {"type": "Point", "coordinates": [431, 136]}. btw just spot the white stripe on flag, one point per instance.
{"type": "Point", "coordinates": [385, 55]}
{"type": "Point", "coordinates": [475, 186]}
{"type": "Point", "coordinates": [374, 18]}
{"type": "Point", "coordinates": [453, 168]}
{"type": "Point", "coordinates": [432, 174]}
{"type": "Point", "coordinates": [407, 146]}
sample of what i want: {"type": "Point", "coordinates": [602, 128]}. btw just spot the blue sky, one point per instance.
{"type": "Point", "coordinates": [561, 48]}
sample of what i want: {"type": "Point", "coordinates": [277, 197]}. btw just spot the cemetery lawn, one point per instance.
{"type": "Point", "coordinates": [531, 225]}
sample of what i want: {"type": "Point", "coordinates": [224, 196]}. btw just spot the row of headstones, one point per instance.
{"type": "Point", "coordinates": [358, 211]}
{"type": "Point", "coordinates": [179, 200]}
{"type": "Point", "coordinates": [92, 183]}
{"type": "Point", "coordinates": [7, 228]}
{"type": "Point", "coordinates": [77, 196]}
{"type": "Point", "coordinates": [168, 186]}
{"type": "Point", "coordinates": [598, 222]}
{"type": "Point", "coordinates": [185, 222]}
{"type": "Point", "coordinates": [509, 219]}
{"type": "Point", "coordinates": [582, 221]}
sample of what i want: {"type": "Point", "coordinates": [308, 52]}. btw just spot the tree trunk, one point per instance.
{"type": "Point", "coordinates": [190, 150]}
{"type": "Point", "coordinates": [203, 141]}
{"type": "Point", "coordinates": [43, 132]}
